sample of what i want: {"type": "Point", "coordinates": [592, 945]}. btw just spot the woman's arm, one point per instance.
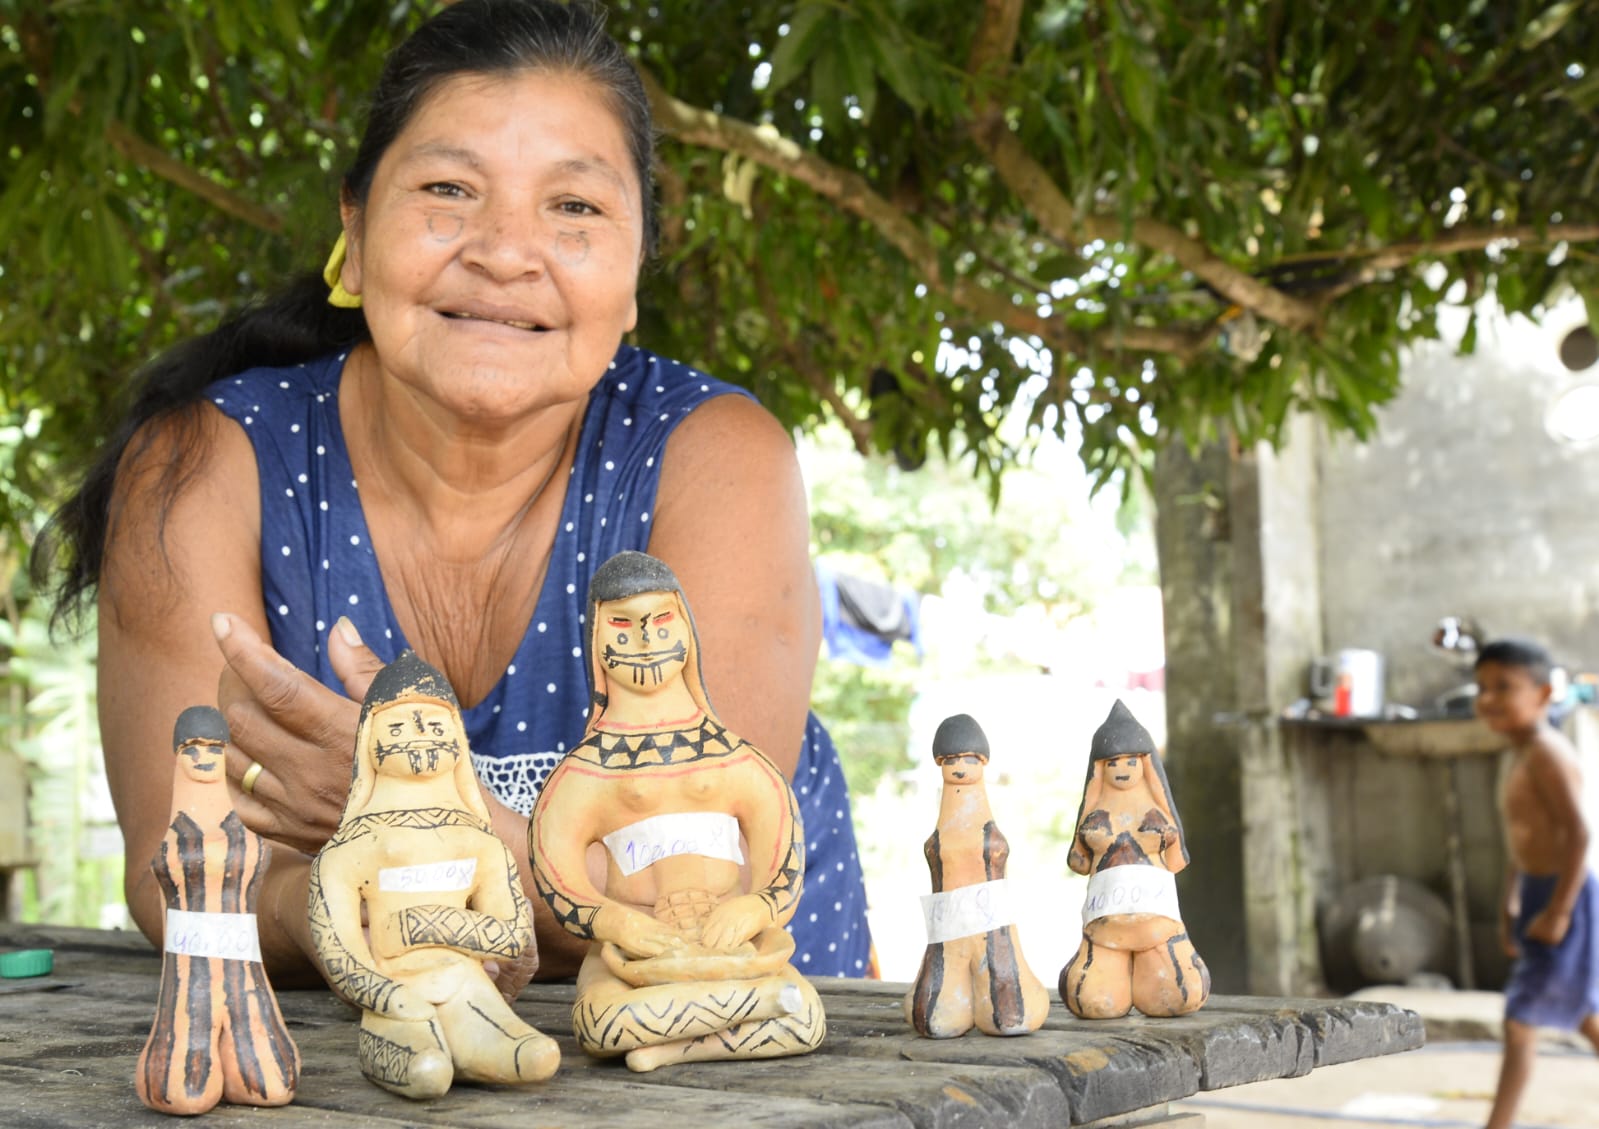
{"type": "Point", "coordinates": [731, 522]}
{"type": "Point", "coordinates": [164, 575]}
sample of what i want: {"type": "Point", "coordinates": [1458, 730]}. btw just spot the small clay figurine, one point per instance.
{"type": "Point", "coordinates": [702, 847]}
{"type": "Point", "coordinates": [973, 972]}
{"type": "Point", "coordinates": [1135, 951]}
{"type": "Point", "coordinates": [414, 848]}
{"type": "Point", "coordinates": [217, 1033]}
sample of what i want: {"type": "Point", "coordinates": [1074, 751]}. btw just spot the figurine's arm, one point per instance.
{"type": "Point", "coordinates": [558, 846]}
{"type": "Point", "coordinates": [496, 925]}
{"type": "Point", "coordinates": [768, 814]}
{"type": "Point", "coordinates": [1079, 858]}
{"type": "Point", "coordinates": [335, 913]}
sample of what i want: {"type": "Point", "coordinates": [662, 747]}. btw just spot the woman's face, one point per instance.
{"type": "Point", "coordinates": [498, 251]}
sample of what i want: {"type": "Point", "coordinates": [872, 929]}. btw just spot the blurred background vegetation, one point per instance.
{"type": "Point", "coordinates": [1145, 221]}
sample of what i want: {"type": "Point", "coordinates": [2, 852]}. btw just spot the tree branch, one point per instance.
{"type": "Point", "coordinates": [169, 168]}
{"type": "Point", "coordinates": [995, 40]}
{"type": "Point", "coordinates": [1378, 260]}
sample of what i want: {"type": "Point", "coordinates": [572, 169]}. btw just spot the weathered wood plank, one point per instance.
{"type": "Point", "coordinates": [74, 1038]}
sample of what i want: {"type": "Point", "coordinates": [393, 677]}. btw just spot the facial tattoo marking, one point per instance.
{"type": "Point", "coordinates": [445, 227]}
{"type": "Point", "coordinates": [645, 661]}
{"type": "Point", "coordinates": [572, 247]}
{"type": "Point", "coordinates": [423, 748]}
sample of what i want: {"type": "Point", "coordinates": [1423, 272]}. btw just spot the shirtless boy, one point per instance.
{"type": "Point", "coordinates": [1550, 917]}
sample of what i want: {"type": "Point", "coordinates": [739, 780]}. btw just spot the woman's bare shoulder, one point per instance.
{"type": "Point", "coordinates": [185, 512]}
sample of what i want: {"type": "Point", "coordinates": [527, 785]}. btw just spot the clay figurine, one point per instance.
{"type": "Point", "coordinates": [217, 1035]}
{"type": "Point", "coordinates": [973, 972]}
{"type": "Point", "coordinates": [1129, 841]}
{"type": "Point", "coordinates": [414, 848]}
{"type": "Point", "coordinates": [703, 853]}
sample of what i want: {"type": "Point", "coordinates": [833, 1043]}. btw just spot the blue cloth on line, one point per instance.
{"type": "Point", "coordinates": [1555, 985]}
{"type": "Point", "coordinates": [317, 563]}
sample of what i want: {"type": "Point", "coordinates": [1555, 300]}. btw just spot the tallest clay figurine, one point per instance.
{"type": "Point", "coordinates": [703, 852]}
{"type": "Point", "coordinates": [1129, 841]}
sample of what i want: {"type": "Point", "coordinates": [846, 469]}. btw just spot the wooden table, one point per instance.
{"type": "Point", "coordinates": [69, 1042]}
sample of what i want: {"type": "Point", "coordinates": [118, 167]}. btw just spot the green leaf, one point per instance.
{"type": "Point", "coordinates": [895, 65]}
{"type": "Point", "coordinates": [796, 49]}
{"type": "Point", "coordinates": [858, 65]}
{"type": "Point", "coordinates": [1548, 23]}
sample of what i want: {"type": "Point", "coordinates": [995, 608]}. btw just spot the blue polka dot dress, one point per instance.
{"type": "Point", "coordinates": [317, 564]}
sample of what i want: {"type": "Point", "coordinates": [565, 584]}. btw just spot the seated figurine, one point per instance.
{"type": "Point", "coordinates": [414, 848]}
{"type": "Point", "coordinates": [1135, 951]}
{"type": "Point", "coordinates": [973, 972]}
{"type": "Point", "coordinates": [703, 853]}
{"type": "Point", "coordinates": [217, 1033]}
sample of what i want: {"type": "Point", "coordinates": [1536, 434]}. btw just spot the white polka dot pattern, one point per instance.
{"type": "Point", "coordinates": [538, 709]}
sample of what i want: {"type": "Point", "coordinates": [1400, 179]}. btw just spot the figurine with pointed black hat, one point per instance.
{"type": "Point", "coordinates": [1129, 841]}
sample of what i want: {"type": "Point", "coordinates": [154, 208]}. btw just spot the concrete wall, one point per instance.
{"type": "Point", "coordinates": [1463, 504]}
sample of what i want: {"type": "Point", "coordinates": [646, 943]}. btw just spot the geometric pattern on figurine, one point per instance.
{"type": "Point", "coordinates": [459, 929]}
{"type": "Point", "coordinates": [627, 750]}
{"type": "Point", "coordinates": [217, 1032]}
{"type": "Point", "coordinates": [689, 958]}
{"type": "Point", "coordinates": [415, 892]}
{"type": "Point", "coordinates": [743, 1019]}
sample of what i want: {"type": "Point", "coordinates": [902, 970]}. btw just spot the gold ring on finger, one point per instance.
{"type": "Point", "coordinates": [251, 775]}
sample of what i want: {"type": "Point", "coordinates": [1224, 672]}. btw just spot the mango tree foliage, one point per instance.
{"type": "Point", "coordinates": [1146, 218]}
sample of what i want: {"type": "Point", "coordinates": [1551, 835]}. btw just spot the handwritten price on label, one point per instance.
{"type": "Point", "coordinates": [1131, 889]}
{"type": "Point", "coordinates": [428, 878]}
{"type": "Point", "coordinates": [230, 936]}
{"type": "Point", "coordinates": [969, 910]}
{"type": "Point", "coordinates": [709, 834]}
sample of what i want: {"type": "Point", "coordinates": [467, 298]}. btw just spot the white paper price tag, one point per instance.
{"type": "Point", "coordinates": [712, 834]}
{"type": "Point", "coordinates": [231, 936]}
{"type": "Point", "coordinates": [429, 877]}
{"type": "Point", "coordinates": [968, 910]}
{"type": "Point", "coordinates": [1131, 889]}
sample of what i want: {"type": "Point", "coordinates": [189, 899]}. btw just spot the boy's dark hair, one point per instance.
{"type": "Point", "coordinates": [1523, 653]}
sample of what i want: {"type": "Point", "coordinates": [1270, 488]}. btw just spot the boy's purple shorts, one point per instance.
{"type": "Point", "coordinates": [1555, 985]}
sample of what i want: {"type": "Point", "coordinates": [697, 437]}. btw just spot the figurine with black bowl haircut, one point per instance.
{"type": "Point", "coordinates": [218, 1034]}
{"type": "Point", "coordinates": [1129, 841]}
{"type": "Point", "coordinates": [973, 973]}
{"type": "Point", "coordinates": [415, 849]}
{"type": "Point", "coordinates": [703, 852]}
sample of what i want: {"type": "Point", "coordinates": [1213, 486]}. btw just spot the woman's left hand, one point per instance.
{"type": "Point", "coordinates": [301, 733]}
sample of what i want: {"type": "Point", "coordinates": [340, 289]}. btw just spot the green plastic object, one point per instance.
{"type": "Point", "coordinates": [27, 962]}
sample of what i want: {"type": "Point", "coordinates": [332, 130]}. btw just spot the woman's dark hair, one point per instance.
{"type": "Point", "coordinates": [471, 37]}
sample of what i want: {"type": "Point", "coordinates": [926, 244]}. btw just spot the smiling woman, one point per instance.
{"type": "Point", "coordinates": [433, 444]}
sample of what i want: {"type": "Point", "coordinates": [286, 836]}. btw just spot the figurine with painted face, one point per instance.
{"type": "Point", "coordinates": [1135, 951]}
{"type": "Point", "coordinates": [415, 850]}
{"type": "Point", "coordinates": [698, 852]}
{"type": "Point", "coordinates": [973, 973]}
{"type": "Point", "coordinates": [218, 1034]}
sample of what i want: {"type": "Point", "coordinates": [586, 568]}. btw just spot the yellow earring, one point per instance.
{"type": "Point", "coordinates": [333, 273]}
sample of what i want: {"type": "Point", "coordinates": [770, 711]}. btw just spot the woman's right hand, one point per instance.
{"type": "Point", "coordinates": [300, 732]}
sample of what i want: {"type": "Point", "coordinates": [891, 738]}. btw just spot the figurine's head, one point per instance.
{"type": "Point", "coordinates": [960, 749]}
{"type": "Point", "coordinates": [1123, 760]}
{"type": "Point", "coordinates": [641, 632]}
{"type": "Point", "coordinates": [200, 740]}
{"type": "Point", "coordinates": [411, 727]}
